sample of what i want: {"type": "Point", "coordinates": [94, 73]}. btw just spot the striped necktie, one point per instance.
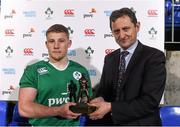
{"type": "Point", "coordinates": [122, 69]}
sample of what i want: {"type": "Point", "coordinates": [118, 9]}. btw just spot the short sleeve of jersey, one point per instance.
{"type": "Point", "coordinates": [29, 78]}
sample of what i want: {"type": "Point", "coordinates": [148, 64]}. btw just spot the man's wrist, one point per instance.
{"type": "Point", "coordinates": [109, 106]}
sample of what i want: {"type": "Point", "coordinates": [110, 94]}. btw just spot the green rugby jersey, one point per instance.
{"type": "Point", "coordinates": [52, 88]}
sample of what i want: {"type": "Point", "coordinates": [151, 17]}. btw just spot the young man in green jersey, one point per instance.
{"type": "Point", "coordinates": [44, 94]}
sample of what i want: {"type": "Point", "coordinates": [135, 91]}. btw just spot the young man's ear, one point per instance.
{"type": "Point", "coordinates": [70, 43]}
{"type": "Point", "coordinates": [46, 43]}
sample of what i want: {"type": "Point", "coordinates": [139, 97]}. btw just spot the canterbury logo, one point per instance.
{"type": "Point", "coordinates": [42, 70]}
{"type": "Point", "coordinates": [89, 31]}
{"type": "Point", "coordinates": [69, 12]}
{"type": "Point", "coordinates": [152, 12]}
{"type": "Point", "coordinates": [28, 50]}
{"type": "Point", "coordinates": [108, 51]}
{"type": "Point", "coordinates": [9, 31]}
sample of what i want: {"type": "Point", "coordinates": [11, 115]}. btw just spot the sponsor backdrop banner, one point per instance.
{"type": "Point", "coordinates": [24, 23]}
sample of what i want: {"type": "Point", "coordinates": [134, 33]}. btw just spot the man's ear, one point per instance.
{"type": "Point", "coordinates": [70, 43]}
{"type": "Point", "coordinates": [138, 26]}
{"type": "Point", "coordinates": [46, 43]}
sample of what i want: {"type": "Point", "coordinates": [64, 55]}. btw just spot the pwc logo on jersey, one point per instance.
{"type": "Point", "coordinates": [42, 70]}
{"type": "Point", "coordinates": [77, 75]}
{"type": "Point", "coordinates": [57, 101]}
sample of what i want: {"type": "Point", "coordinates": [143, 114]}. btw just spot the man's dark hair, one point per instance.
{"type": "Point", "coordinates": [123, 12]}
{"type": "Point", "coordinates": [57, 28]}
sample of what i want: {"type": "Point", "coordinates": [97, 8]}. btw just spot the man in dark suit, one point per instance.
{"type": "Point", "coordinates": [131, 97]}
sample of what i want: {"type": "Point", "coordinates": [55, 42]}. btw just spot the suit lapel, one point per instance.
{"type": "Point", "coordinates": [134, 59]}
{"type": "Point", "coordinates": [115, 66]}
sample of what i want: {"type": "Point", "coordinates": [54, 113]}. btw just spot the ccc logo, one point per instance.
{"type": "Point", "coordinates": [89, 31]}
{"type": "Point", "coordinates": [69, 12]}
{"type": "Point", "coordinates": [152, 12]}
{"type": "Point", "coordinates": [28, 50]}
{"type": "Point", "coordinates": [108, 51]}
{"type": "Point", "coordinates": [9, 31]}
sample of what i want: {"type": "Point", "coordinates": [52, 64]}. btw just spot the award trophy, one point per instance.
{"type": "Point", "coordinates": [83, 97]}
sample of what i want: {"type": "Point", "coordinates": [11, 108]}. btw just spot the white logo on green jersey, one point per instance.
{"type": "Point", "coordinates": [64, 93]}
{"type": "Point", "coordinates": [77, 75]}
{"type": "Point", "coordinates": [57, 101]}
{"type": "Point", "coordinates": [42, 70]}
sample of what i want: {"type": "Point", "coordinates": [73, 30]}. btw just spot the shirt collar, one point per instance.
{"type": "Point", "coordinates": [131, 48]}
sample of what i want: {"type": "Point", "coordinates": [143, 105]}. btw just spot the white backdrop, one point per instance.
{"type": "Point", "coordinates": [24, 22]}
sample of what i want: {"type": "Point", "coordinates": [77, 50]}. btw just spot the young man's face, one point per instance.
{"type": "Point", "coordinates": [57, 45]}
{"type": "Point", "coordinates": [124, 31]}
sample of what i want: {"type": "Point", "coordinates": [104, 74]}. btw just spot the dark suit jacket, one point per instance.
{"type": "Point", "coordinates": [143, 88]}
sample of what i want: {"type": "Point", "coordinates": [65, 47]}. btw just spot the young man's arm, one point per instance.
{"type": "Point", "coordinates": [28, 108]}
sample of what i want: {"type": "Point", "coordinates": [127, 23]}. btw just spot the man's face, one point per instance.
{"type": "Point", "coordinates": [57, 45]}
{"type": "Point", "coordinates": [124, 31]}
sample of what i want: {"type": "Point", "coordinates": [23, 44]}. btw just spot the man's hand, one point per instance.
{"type": "Point", "coordinates": [96, 100]}
{"type": "Point", "coordinates": [64, 111]}
{"type": "Point", "coordinates": [102, 108]}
